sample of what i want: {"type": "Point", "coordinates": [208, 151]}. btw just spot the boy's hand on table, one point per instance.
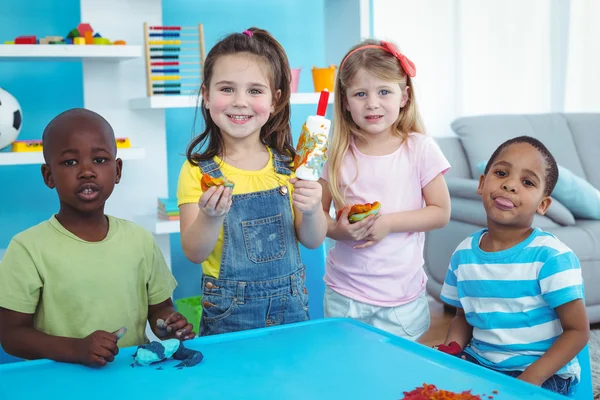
{"type": "Point", "coordinates": [97, 349]}
{"type": "Point", "coordinates": [175, 323]}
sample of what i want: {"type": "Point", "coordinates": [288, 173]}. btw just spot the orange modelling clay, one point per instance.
{"type": "Point", "coordinates": [431, 392]}
{"type": "Point", "coordinates": [207, 181]}
{"type": "Point", "coordinates": [359, 212]}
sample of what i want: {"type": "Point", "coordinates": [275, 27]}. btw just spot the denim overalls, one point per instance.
{"type": "Point", "coordinates": [261, 277]}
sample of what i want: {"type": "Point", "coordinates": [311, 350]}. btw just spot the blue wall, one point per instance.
{"type": "Point", "coordinates": [299, 26]}
{"type": "Point", "coordinates": [43, 89]}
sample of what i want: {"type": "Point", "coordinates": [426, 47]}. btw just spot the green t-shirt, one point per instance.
{"type": "Point", "coordinates": [74, 287]}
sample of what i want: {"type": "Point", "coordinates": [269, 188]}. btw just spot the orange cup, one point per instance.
{"type": "Point", "coordinates": [324, 78]}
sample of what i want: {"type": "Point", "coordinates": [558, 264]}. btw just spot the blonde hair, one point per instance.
{"type": "Point", "coordinates": [384, 65]}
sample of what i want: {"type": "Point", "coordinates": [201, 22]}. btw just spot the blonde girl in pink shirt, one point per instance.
{"type": "Point", "coordinates": [379, 152]}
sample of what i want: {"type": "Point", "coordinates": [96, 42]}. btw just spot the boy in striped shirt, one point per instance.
{"type": "Point", "coordinates": [518, 291]}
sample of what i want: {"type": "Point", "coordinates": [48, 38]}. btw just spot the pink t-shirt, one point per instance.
{"type": "Point", "coordinates": [389, 273]}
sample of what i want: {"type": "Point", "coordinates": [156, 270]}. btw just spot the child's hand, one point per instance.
{"type": "Point", "coordinates": [451, 348]}
{"type": "Point", "coordinates": [215, 202]}
{"type": "Point", "coordinates": [357, 231]}
{"type": "Point", "coordinates": [97, 349]}
{"type": "Point", "coordinates": [175, 323]}
{"type": "Point", "coordinates": [307, 196]}
{"type": "Point", "coordinates": [377, 231]}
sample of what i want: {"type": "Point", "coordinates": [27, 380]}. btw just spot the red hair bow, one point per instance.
{"type": "Point", "coordinates": [407, 65]}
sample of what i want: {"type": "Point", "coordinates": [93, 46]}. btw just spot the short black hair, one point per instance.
{"type": "Point", "coordinates": [551, 166]}
{"type": "Point", "coordinates": [67, 116]}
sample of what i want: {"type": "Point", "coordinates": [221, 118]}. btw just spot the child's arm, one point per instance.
{"type": "Point", "coordinates": [576, 332]}
{"type": "Point", "coordinates": [435, 215]}
{"type": "Point", "coordinates": [201, 223]}
{"type": "Point", "coordinates": [20, 339]}
{"type": "Point", "coordinates": [342, 229]}
{"type": "Point", "coordinates": [460, 331]}
{"type": "Point", "coordinates": [309, 219]}
{"type": "Point", "coordinates": [167, 323]}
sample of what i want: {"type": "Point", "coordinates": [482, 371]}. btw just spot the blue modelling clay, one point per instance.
{"type": "Point", "coordinates": [159, 351]}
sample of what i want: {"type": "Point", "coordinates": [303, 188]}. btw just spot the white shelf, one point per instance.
{"type": "Point", "coordinates": [37, 157]}
{"type": "Point", "coordinates": [191, 101]}
{"type": "Point", "coordinates": [157, 226]}
{"type": "Point", "coordinates": [60, 52]}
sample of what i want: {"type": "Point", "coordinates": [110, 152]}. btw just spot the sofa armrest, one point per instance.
{"type": "Point", "coordinates": [469, 211]}
{"type": "Point", "coordinates": [463, 187]}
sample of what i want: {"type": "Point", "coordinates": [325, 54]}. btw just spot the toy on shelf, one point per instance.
{"type": "Point", "coordinates": [173, 63]}
{"type": "Point", "coordinates": [311, 151]}
{"type": "Point", "coordinates": [83, 34]}
{"type": "Point", "coordinates": [25, 146]}
{"type": "Point", "coordinates": [11, 118]}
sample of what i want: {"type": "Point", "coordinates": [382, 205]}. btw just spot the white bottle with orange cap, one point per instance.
{"type": "Point", "coordinates": [311, 151]}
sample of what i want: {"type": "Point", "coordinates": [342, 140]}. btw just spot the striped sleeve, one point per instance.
{"type": "Point", "coordinates": [449, 293]}
{"type": "Point", "coordinates": [560, 279]}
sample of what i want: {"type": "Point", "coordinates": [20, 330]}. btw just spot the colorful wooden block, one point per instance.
{"type": "Point", "coordinates": [119, 42]}
{"type": "Point", "coordinates": [26, 40]}
{"type": "Point", "coordinates": [83, 28]}
{"type": "Point", "coordinates": [89, 39]}
{"type": "Point", "coordinates": [96, 35]}
{"type": "Point", "coordinates": [79, 40]}
{"type": "Point", "coordinates": [101, 41]}
{"type": "Point", "coordinates": [73, 34]}
{"type": "Point", "coordinates": [9, 42]}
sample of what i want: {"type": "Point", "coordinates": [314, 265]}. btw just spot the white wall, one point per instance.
{"type": "Point", "coordinates": [107, 90]}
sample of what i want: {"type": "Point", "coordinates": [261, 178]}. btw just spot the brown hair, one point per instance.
{"type": "Point", "coordinates": [383, 65]}
{"type": "Point", "coordinates": [276, 133]}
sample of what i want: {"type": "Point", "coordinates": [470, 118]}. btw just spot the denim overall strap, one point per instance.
{"type": "Point", "coordinates": [281, 163]}
{"type": "Point", "coordinates": [210, 167]}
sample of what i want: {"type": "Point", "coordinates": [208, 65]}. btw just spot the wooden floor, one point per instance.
{"type": "Point", "coordinates": [440, 322]}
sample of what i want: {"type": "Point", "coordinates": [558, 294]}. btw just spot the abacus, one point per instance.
{"type": "Point", "coordinates": [174, 59]}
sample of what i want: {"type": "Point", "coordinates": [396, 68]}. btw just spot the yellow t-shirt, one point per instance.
{"type": "Point", "coordinates": [74, 287]}
{"type": "Point", "coordinates": [189, 191]}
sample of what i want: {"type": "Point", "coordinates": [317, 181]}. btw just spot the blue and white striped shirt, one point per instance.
{"type": "Point", "coordinates": [509, 298]}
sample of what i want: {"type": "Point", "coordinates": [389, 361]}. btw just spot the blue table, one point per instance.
{"type": "Point", "coordinates": [319, 359]}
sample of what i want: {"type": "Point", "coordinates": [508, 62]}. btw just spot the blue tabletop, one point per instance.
{"type": "Point", "coordinates": [320, 359]}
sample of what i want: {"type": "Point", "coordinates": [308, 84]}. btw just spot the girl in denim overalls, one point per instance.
{"type": "Point", "coordinates": [247, 238]}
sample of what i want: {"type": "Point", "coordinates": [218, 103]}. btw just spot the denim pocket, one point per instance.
{"type": "Point", "coordinates": [302, 293]}
{"type": "Point", "coordinates": [216, 308]}
{"type": "Point", "coordinates": [264, 239]}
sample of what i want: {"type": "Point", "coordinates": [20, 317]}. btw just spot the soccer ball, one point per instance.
{"type": "Point", "coordinates": [11, 118]}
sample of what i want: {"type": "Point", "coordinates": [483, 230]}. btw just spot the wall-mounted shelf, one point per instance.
{"type": "Point", "coordinates": [156, 225]}
{"type": "Point", "coordinates": [191, 101]}
{"type": "Point", "coordinates": [36, 157]}
{"type": "Point", "coordinates": [68, 52]}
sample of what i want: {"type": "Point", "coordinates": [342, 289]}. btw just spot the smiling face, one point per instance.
{"type": "Point", "coordinates": [513, 190]}
{"type": "Point", "coordinates": [239, 97]}
{"type": "Point", "coordinates": [81, 162]}
{"type": "Point", "coordinates": [374, 104]}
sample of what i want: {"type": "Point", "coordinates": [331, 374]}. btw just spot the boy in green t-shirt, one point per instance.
{"type": "Point", "coordinates": [70, 283]}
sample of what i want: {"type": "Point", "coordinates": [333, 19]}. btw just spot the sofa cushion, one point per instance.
{"type": "Point", "coordinates": [454, 152]}
{"type": "Point", "coordinates": [481, 135]}
{"type": "Point", "coordinates": [586, 134]}
{"type": "Point", "coordinates": [467, 189]}
{"type": "Point", "coordinates": [581, 238]}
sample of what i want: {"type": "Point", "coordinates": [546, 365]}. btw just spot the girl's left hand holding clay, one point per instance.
{"type": "Point", "coordinates": [379, 230]}
{"type": "Point", "coordinates": [307, 196]}
{"type": "Point", "coordinates": [177, 324]}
